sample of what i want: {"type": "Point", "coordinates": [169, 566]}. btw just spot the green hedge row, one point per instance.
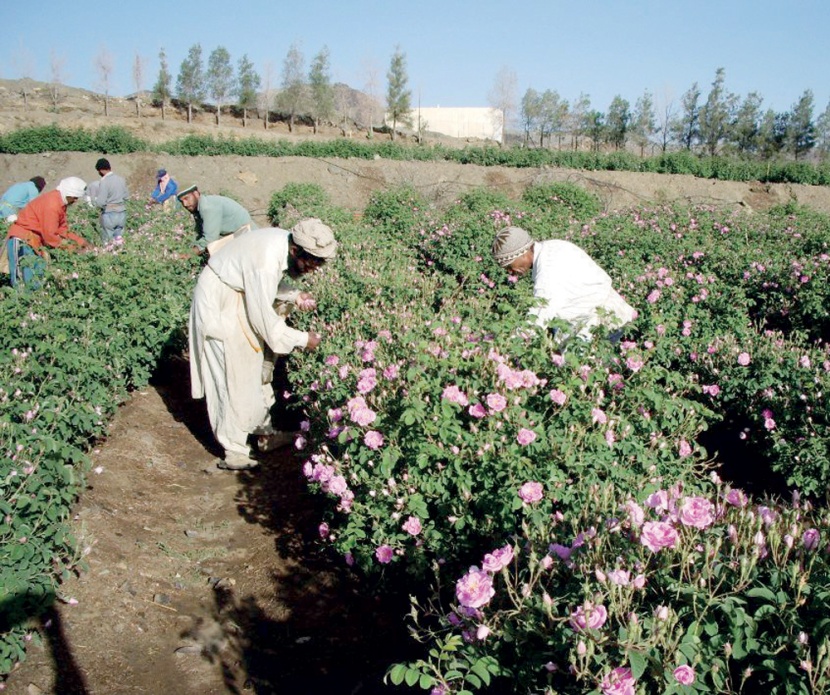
{"type": "Point", "coordinates": [116, 140]}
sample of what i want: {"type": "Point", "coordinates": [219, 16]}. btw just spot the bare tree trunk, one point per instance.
{"type": "Point", "coordinates": [244, 117]}
{"type": "Point", "coordinates": [218, 113]}
{"type": "Point", "coordinates": [189, 112]}
{"type": "Point", "coordinates": [162, 109]}
{"type": "Point", "coordinates": [106, 104]}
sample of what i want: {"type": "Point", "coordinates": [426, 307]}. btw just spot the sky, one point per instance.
{"type": "Point", "coordinates": [454, 50]}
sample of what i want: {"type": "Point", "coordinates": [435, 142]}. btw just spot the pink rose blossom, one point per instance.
{"type": "Point", "coordinates": [558, 397]}
{"type": "Point", "coordinates": [412, 526]}
{"type": "Point", "coordinates": [363, 416]}
{"type": "Point", "coordinates": [588, 617]}
{"type": "Point", "coordinates": [373, 439]}
{"type": "Point", "coordinates": [743, 359]}
{"type": "Point", "coordinates": [684, 449]}
{"type": "Point", "coordinates": [685, 674]}
{"type": "Point", "coordinates": [323, 529]}
{"type": "Point", "coordinates": [525, 436]}
{"type": "Point", "coordinates": [657, 535]}
{"type": "Point", "coordinates": [712, 390]}
{"type": "Point", "coordinates": [482, 632]}
{"type": "Point", "coordinates": [531, 492]}
{"type": "Point", "coordinates": [810, 539]}
{"type": "Point", "coordinates": [455, 395]}
{"type": "Point", "coordinates": [391, 372]}
{"type": "Point", "coordinates": [635, 513]}
{"type": "Point", "coordinates": [653, 296]}
{"type": "Point", "coordinates": [619, 682]}
{"type": "Point", "coordinates": [498, 559]}
{"type": "Point", "coordinates": [384, 554]}
{"type": "Point", "coordinates": [477, 411]}
{"type": "Point", "coordinates": [619, 577]}
{"type": "Point", "coordinates": [475, 589]}
{"type": "Point", "coordinates": [635, 364]}
{"type": "Point", "coordinates": [496, 402]}
{"type": "Point", "coordinates": [737, 498]}
{"type": "Point", "coordinates": [658, 501]}
{"type": "Point", "coordinates": [697, 512]}
{"type": "Point", "coordinates": [598, 416]}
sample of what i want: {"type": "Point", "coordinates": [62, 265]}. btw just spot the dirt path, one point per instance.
{"type": "Point", "coordinates": [202, 581]}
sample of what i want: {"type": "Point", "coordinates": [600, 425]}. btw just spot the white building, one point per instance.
{"type": "Point", "coordinates": [463, 122]}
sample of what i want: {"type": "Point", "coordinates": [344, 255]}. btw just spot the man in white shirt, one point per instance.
{"type": "Point", "coordinates": [570, 284]}
{"type": "Point", "coordinates": [233, 320]}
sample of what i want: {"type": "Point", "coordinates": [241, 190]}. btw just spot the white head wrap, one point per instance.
{"type": "Point", "coordinates": [72, 187]}
{"type": "Point", "coordinates": [315, 238]}
{"type": "Point", "coordinates": [509, 244]}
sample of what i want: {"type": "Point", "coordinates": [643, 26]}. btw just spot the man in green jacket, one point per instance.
{"type": "Point", "coordinates": [217, 218]}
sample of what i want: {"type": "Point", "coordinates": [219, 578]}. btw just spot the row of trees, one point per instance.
{"type": "Point", "coordinates": [300, 94]}
{"type": "Point", "coordinates": [722, 124]}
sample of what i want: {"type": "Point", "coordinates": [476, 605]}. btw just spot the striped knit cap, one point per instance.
{"type": "Point", "coordinates": [509, 244]}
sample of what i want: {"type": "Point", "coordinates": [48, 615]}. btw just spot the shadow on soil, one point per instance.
{"type": "Point", "coordinates": [319, 628]}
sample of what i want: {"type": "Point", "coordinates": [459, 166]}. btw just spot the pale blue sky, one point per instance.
{"type": "Point", "coordinates": [454, 49]}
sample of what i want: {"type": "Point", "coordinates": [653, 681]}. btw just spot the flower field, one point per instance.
{"type": "Point", "coordinates": [632, 517]}
{"type": "Point", "coordinates": [557, 497]}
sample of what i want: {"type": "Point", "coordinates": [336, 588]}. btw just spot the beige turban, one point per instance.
{"type": "Point", "coordinates": [72, 187]}
{"type": "Point", "coordinates": [315, 238]}
{"type": "Point", "coordinates": [509, 244]}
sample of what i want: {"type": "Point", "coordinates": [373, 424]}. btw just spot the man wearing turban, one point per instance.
{"type": "Point", "coordinates": [233, 323]}
{"type": "Point", "coordinates": [39, 226]}
{"type": "Point", "coordinates": [569, 284]}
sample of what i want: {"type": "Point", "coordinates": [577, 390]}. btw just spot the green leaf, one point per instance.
{"type": "Point", "coordinates": [761, 592]}
{"type": "Point", "coordinates": [412, 676]}
{"type": "Point", "coordinates": [637, 661]}
{"type": "Point", "coordinates": [396, 673]}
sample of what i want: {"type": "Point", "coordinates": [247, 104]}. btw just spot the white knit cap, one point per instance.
{"type": "Point", "coordinates": [509, 244]}
{"type": "Point", "coordinates": [314, 237]}
{"type": "Point", "coordinates": [72, 187]}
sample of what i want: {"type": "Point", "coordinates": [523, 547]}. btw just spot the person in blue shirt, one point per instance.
{"type": "Point", "coordinates": [19, 196]}
{"type": "Point", "coordinates": [166, 189]}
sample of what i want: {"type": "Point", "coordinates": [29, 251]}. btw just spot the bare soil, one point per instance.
{"type": "Point", "coordinates": [202, 581]}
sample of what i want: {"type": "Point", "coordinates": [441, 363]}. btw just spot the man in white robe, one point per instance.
{"type": "Point", "coordinates": [233, 319]}
{"type": "Point", "coordinates": [570, 285]}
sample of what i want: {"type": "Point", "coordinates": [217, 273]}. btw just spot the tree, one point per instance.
{"type": "Point", "coordinates": [398, 96]}
{"type": "Point", "coordinates": [24, 61]}
{"type": "Point", "coordinates": [579, 121]}
{"type": "Point", "coordinates": [56, 83]}
{"type": "Point", "coordinates": [161, 90]}
{"type": "Point", "coordinates": [643, 124]}
{"type": "Point", "coordinates": [266, 97]}
{"type": "Point", "coordinates": [552, 115]}
{"type": "Point", "coordinates": [219, 78]}
{"type": "Point", "coordinates": [104, 68]}
{"type": "Point", "coordinates": [371, 86]}
{"type": "Point", "coordinates": [745, 132]}
{"type": "Point", "coordinates": [502, 97]}
{"type": "Point", "coordinates": [665, 118]}
{"type": "Point", "coordinates": [801, 131]}
{"type": "Point", "coordinates": [716, 115]}
{"type": "Point", "coordinates": [686, 127]}
{"type": "Point", "coordinates": [530, 113]}
{"type": "Point", "coordinates": [138, 81]}
{"type": "Point", "coordinates": [772, 135]}
{"type": "Point", "coordinates": [190, 84]}
{"type": "Point", "coordinates": [617, 122]}
{"type": "Point", "coordinates": [247, 84]}
{"type": "Point", "coordinates": [292, 97]}
{"type": "Point", "coordinates": [595, 122]}
{"type": "Point", "coordinates": [823, 132]}
{"type": "Point", "coordinates": [322, 93]}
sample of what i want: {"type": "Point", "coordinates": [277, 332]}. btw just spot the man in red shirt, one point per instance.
{"type": "Point", "coordinates": [41, 225]}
